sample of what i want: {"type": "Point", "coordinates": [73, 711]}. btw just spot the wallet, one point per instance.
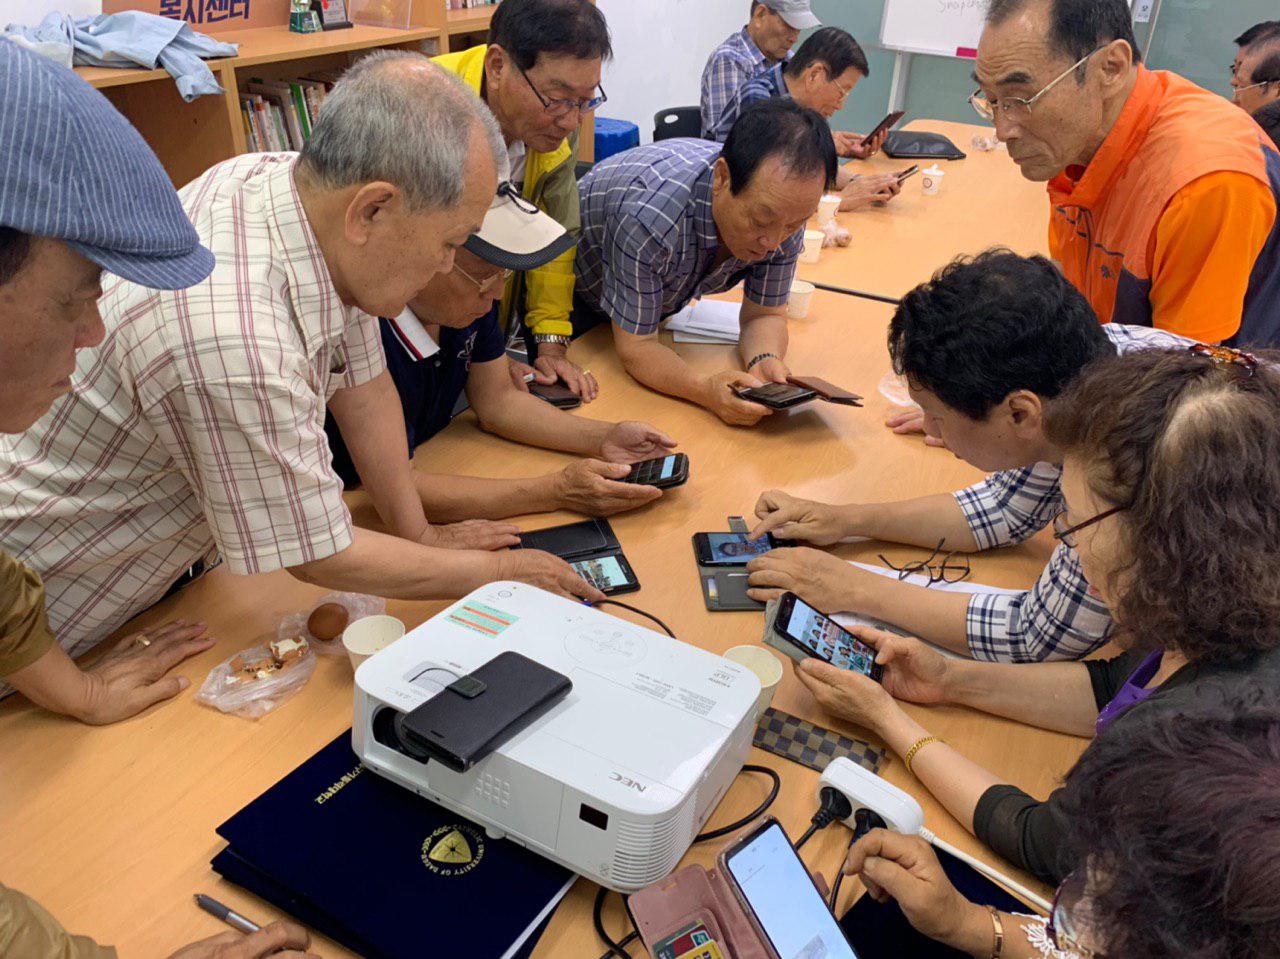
{"type": "Point", "coordinates": [909, 145]}
{"type": "Point", "coordinates": [592, 540]}
{"type": "Point", "coordinates": [724, 588]}
{"type": "Point", "coordinates": [826, 390]}
{"type": "Point", "coordinates": [478, 712]}
{"type": "Point", "coordinates": [692, 893]}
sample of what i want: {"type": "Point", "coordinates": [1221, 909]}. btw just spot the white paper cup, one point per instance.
{"type": "Point", "coordinates": [931, 181]}
{"type": "Point", "coordinates": [366, 636]}
{"type": "Point", "coordinates": [766, 667]}
{"type": "Point", "coordinates": [812, 246]}
{"type": "Point", "coordinates": [801, 294]}
{"type": "Point", "coordinates": [828, 207]}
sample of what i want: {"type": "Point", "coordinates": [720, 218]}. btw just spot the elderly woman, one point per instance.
{"type": "Point", "coordinates": [1173, 503]}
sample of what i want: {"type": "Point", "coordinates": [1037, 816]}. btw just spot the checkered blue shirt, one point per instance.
{"type": "Point", "coordinates": [763, 86]}
{"type": "Point", "coordinates": [731, 64]}
{"type": "Point", "coordinates": [648, 241]}
{"type": "Point", "coordinates": [1057, 618]}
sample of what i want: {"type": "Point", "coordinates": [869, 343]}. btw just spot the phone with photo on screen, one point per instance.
{"type": "Point", "coordinates": [780, 897]}
{"type": "Point", "coordinates": [611, 574]}
{"type": "Point", "coordinates": [816, 634]}
{"type": "Point", "coordinates": [732, 549]}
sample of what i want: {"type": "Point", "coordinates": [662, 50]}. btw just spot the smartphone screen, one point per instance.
{"type": "Point", "coordinates": [733, 549]}
{"type": "Point", "coordinates": [777, 887]}
{"type": "Point", "coordinates": [604, 574]}
{"type": "Point", "coordinates": [824, 638]}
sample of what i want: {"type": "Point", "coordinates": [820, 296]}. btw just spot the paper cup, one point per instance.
{"type": "Point", "coordinates": [931, 181]}
{"type": "Point", "coordinates": [828, 207]}
{"type": "Point", "coordinates": [366, 636]}
{"type": "Point", "coordinates": [812, 246]}
{"type": "Point", "coordinates": [766, 667]}
{"type": "Point", "coordinates": [801, 294]}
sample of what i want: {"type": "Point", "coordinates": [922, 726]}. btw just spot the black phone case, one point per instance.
{"type": "Point", "coordinates": [558, 396]}
{"type": "Point", "coordinates": [796, 396]}
{"type": "Point", "coordinates": [678, 478]}
{"type": "Point", "coordinates": [459, 730]}
{"type": "Point", "coordinates": [582, 542]}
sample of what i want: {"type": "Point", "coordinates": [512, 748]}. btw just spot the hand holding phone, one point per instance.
{"type": "Point", "coordinates": [908, 173]}
{"type": "Point", "coordinates": [664, 472]}
{"type": "Point", "coordinates": [731, 549]}
{"type": "Point", "coordinates": [805, 632]}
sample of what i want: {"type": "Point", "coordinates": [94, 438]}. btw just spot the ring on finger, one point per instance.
{"type": "Point", "coordinates": [141, 641]}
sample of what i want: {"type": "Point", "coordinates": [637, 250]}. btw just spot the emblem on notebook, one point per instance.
{"type": "Point", "coordinates": [453, 850]}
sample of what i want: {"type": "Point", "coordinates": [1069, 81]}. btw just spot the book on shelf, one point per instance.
{"type": "Point", "coordinates": [279, 115]}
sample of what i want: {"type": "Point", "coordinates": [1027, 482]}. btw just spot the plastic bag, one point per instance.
{"type": "Point", "coordinates": [893, 389]}
{"type": "Point", "coordinates": [833, 234]}
{"type": "Point", "coordinates": [229, 689]}
{"type": "Point", "coordinates": [357, 605]}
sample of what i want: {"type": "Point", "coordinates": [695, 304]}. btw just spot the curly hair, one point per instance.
{"type": "Point", "coordinates": [1182, 847]}
{"type": "Point", "coordinates": [1191, 449]}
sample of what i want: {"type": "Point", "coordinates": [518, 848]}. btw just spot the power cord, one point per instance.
{"type": "Point", "coordinates": [639, 612]}
{"type": "Point", "coordinates": [864, 821]}
{"type": "Point", "coordinates": [754, 814]}
{"type": "Point", "coordinates": [835, 805]}
{"type": "Point", "coordinates": [617, 949]}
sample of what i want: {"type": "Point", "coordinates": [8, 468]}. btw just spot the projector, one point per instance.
{"type": "Point", "coordinates": [616, 779]}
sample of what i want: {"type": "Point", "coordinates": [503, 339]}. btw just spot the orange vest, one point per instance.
{"type": "Point", "coordinates": [1103, 225]}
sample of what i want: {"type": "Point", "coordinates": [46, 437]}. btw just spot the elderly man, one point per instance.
{"type": "Point", "coordinates": [1193, 249]}
{"type": "Point", "coordinates": [448, 340]}
{"type": "Point", "coordinates": [1265, 29]}
{"type": "Point", "coordinates": [770, 33]}
{"type": "Point", "coordinates": [540, 74]}
{"type": "Point", "coordinates": [70, 208]}
{"type": "Point", "coordinates": [821, 76]}
{"type": "Point", "coordinates": [196, 431]}
{"type": "Point", "coordinates": [1256, 83]}
{"type": "Point", "coordinates": [681, 219]}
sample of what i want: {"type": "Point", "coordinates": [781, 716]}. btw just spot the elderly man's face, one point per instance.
{"type": "Point", "coordinates": [1067, 124]}
{"type": "Point", "coordinates": [767, 211]}
{"type": "Point", "coordinates": [1248, 95]}
{"type": "Point", "coordinates": [461, 296]}
{"type": "Point", "coordinates": [401, 250]}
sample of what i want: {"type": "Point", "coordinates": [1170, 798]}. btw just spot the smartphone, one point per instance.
{"type": "Point", "coordinates": [663, 472]}
{"type": "Point", "coordinates": [908, 173]}
{"type": "Point", "coordinates": [885, 125]}
{"type": "Point", "coordinates": [818, 635]}
{"type": "Point", "coordinates": [777, 396]}
{"type": "Point", "coordinates": [778, 893]}
{"type": "Point", "coordinates": [732, 549]}
{"type": "Point", "coordinates": [557, 395]}
{"type": "Point", "coordinates": [609, 574]}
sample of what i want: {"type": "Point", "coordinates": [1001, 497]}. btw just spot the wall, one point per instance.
{"type": "Point", "coordinates": [30, 12]}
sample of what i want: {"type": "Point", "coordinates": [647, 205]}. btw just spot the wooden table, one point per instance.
{"type": "Point", "coordinates": [112, 828]}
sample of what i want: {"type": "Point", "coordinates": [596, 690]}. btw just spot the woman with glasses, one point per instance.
{"type": "Point", "coordinates": [1170, 856]}
{"type": "Point", "coordinates": [1173, 504]}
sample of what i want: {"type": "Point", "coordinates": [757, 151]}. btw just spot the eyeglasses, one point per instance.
{"type": "Point", "coordinates": [1019, 107]}
{"type": "Point", "coordinates": [1261, 83]}
{"type": "Point", "coordinates": [943, 571]}
{"type": "Point", "coordinates": [1063, 930]}
{"type": "Point", "coordinates": [1067, 534]}
{"type": "Point", "coordinates": [562, 108]}
{"type": "Point", "coordinates": [492, 285]}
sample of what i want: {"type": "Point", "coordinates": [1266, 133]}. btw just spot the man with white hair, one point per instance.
{"type": "Point", "coordinates": [195, 432]}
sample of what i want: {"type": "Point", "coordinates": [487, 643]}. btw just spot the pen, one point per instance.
{"type": "Point", "coordinates": [226, 914]}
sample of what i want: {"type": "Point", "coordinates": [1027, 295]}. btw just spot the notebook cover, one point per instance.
{"type": "Point", "coordinates": [383, 870]}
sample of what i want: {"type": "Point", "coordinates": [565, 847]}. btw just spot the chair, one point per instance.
{"type": "Point", "coordinates": [677, 122]}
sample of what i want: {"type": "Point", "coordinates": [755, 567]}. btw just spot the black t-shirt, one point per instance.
{"type": "Point", "coordinates": [428, 388]}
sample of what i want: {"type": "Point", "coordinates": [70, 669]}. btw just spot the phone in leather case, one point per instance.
{"type": "Point", "coordinates": [592, 549]}
{"type": "Point", "coordinates": [557, 395]}
{"type": "Point", "coordinates": [477, 713]}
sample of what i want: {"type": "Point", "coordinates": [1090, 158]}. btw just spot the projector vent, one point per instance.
{"type": "Point", "coordinates": [645, 853]}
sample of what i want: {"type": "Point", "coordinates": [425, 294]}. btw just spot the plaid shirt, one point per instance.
{"type": "Point", "coordinates": [730, 65]}
{"type": "Point", "coordinates": [1057, 618]}
{"type": "Point", "coordinates": [197, 428]}
{"type": "Point", "coordinates": [763, 86]}
{"type": "Point", "coordinates": [649, 242]}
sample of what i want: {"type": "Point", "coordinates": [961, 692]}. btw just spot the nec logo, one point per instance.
{"type": "Point", "coordinates": [629, 783]}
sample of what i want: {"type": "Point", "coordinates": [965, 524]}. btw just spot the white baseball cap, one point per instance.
{"type": "Point", "coordinates": [798, 14]}
{"type": "Point", "coordinates": [516, 235]}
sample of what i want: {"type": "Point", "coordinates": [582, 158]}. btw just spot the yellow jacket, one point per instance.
{"type": "Point", "coordinates": [550, 184]}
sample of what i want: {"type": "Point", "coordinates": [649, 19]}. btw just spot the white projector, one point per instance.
{"type": "Point", "coordinates": [616, 779]}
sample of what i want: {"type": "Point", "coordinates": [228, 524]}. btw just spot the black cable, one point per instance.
{"type": "Point", "coordinates": [754, 814]}
{"type": "Point", "coordinates": [835, 805]}
{"type": "Point", "coordinates": [864, 821]}
{"type": "Point", "coordinates": [626, 940]}
{"type": "Point", "coordinates": [597, 916]}
{"type": "Point", "coordinates": [639, 612]}
{"type": "Point", "coordinates": [835, 886]}
{"type": "Point", "coordinates": [858, 293]}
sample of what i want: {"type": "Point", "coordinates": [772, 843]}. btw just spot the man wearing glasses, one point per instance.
{"type": "Point", "coordinates": [448, 341]}
{"type": "Point", "coordinates": [1256, 84]}
{"type": "Point", "coordinates": [540, 75]}
{"type": "Point", "coordinates": [1163, 198]}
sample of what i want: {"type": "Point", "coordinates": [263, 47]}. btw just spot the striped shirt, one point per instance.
{"type": "Point", "coordinates": [763, 86]}
{"type": "Point", "coordinates": [730, 65]}
{"type": "Point", "coordinates": [1058, 618]}
{"type": "Point", "coordinates": [648, 243]}
{"type": "Point", "coordinates": [196, 430]}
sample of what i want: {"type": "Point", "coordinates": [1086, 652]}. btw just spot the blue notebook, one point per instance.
{"type": "Point", "coordinates": [382, 870]}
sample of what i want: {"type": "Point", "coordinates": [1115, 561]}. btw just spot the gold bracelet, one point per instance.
{"type": "Point", "coordinates": [918, 745]}
{"type": "Point", "coordinates": [998, 929]}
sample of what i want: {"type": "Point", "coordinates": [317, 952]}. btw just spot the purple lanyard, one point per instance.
{"type": "Point", "coordinates": [1132, 692]}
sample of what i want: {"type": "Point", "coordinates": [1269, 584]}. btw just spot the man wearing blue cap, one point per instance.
{"type": "Point", "coordinates": [72, 205]}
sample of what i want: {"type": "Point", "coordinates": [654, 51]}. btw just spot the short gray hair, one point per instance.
{"type": "Point", "coordinates": [388, 119]}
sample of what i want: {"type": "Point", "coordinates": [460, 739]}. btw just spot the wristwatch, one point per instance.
{"type": "Point", "coordinates": [553, 338]}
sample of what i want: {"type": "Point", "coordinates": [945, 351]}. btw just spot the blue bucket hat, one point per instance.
{"type": "Point", "coordinates": [73, 169]}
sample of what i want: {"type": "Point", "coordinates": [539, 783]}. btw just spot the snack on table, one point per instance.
{"type": "Point", "coordinates": [286, 651]}
{"type": "Point", "coordinates": [248, 665]}
{"type": "Point", "coordinates": [327, 621]}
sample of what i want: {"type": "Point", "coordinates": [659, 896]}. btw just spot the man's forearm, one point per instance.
{"type": "Point", "coordinates": [1056, 696]}
{"type": "Point", "coordinates": [941, 618]}
{"type": "Point", "coordinates": [54, 682]}
{"type": "Point", "coordinates": [766, 333]}
{"type": "Point", "coordinates": [400, 569]}
{"type": "Point", "coordinates": [916, 522]}
{"type": "Point", "coordinates": [451, 499]}
{"type": "Point", "coordinates": [524, 418]}
{"type": "Point", "coordinates": [661, 369]}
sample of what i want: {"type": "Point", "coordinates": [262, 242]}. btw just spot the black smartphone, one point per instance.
{"type": "Point", "coordinates": [818, 635]}
{"type": "Point", "coordinates": [663, 472]}
{"type": "Point", "coordinates": [887, 124]}
{"type": "Point", "coordinates": [557, 395]}
{"type": "Point", "coordinates": [908, 173]}
{"type": "Point", "coordinates": [777, 396]}
{"type": "Point", "coordinates": [732, 549]}
{"type": "Point", "coordinates": [610, 574]}
{"type": "Point", "coordinates": [777, 891]}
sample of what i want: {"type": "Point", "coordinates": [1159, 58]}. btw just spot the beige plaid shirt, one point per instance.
{"type": "Point", "coordinates": [196, 430]}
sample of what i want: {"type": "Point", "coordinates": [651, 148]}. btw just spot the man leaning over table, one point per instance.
{"type": "Point", "coordinates": [1163, 196]}
{"type": "Point", "coordinates": [448, 341]}
{"type": "Point", "coordinates": [195, 432]}
{"type": "Point", "coordinates": [540, 75]}
{"type": "Point", "coordinates": [69, 209]}
{"type": "Point", "coordinates": [680, 219]}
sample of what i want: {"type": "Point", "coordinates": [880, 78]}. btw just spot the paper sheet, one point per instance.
{"type": "Point", "coordinates": [714, 320]}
